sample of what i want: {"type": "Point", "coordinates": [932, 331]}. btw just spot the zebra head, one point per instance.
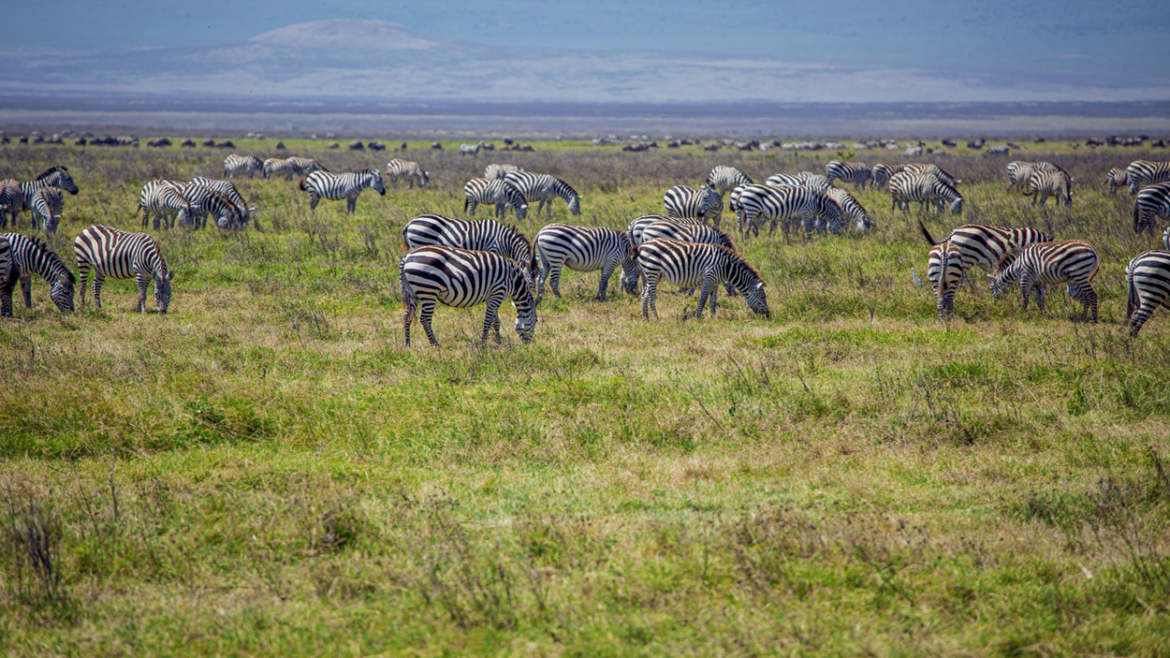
{"type": "Point", "coordinates": [58, 176]}
{"type": "Point", "coordinates": [51, 223]}
{"type": "Point", "coordinates": [162, 290]}
{"type": "Point", "coordinates": [61, 291]}
{"type": "Point", "coordinates": [424, 180]}
{"type": "Point", "coordinates": [575, 204]}
{"type": "Point", "coordinates": [757, 299]}
{"type": "Point", "coordinates": [630, 269]}
{"type": "Point", "coordinates": [524, 304]}
{"type": "Point", "coordinates": [184, 215]}
{"type": "Point", "coordinates": [376, 182]}
{"type": "Point", "coordinates": [1005, 273]}
{"type": "Point", "coordinates": [956, 205]}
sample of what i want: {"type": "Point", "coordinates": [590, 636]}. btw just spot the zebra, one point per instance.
{"type": "Point", "coordinates": [479, 235]}
{"type": "Point", "coordinates": [695, 264]}
{"type": "Point", "coordinates": [1115, 179]}
{"type": "Point", "coordinates": [857, 173]}
{"type": "Point", "coordinates": [983, 246]}
{"type": "Point", "coordinates": [47, 204]}
{"type": "Point", "coordinates": [494, 171]}
{"type": "Point", "coordinates": [725, 179]}
{"type": "Point", "coordinates": [1019, 173]}
{"type": "Point", "coordinates": [498, 192]}
{"type": "Point", "coordinates": [1140, 173]}
{"type": "Point", "coordinates": [759, 203]}
{"type": "Point", "coordinates": [204, 201]}
{"type": "Point", "coordinates": [280, 167]}
{"type": "Point", "coordinates": [30, 255]}
{"type": "Point", "coordinates": [322, 184]}
{"type": "Point", "coordinates": [784, 180]}
{"type": "Point", "coordinates": [1037, 265]}
{"type": "Point", "coordinates": [164, 198]}
{"type": "Point", "coordinates": [924, 188]}
{"type": "Point", "coordinates": [814, 181]}
{"type": "Point", "coordinates": [705, 203]}
{"type": "Point", "coordinates": [463, 278]}
{"type": "Point", "coordinates": [408, 169]}
{"type": "Point", "coordinates": [545, 187]}
{"type": "Point", "coordinates": [1147, 283]}
{"type": "Point", "coordinates": [687, 230]}
{"type": "Point", "coordinates": [122, 255]}
{"type": "Point", "coordinates": [55, 176]}
{"type": "Point", "coordinates": [11, 201]}
{"type": "Point", "coordinates": [585, 249]}
{"type": "Point", "coordinates": [638, 227]}
{"type": "Point", "coordinates": [934, 170]}
{"type": "Point", "coordinates": [470, 149]}
{"type": "Point", "coordinates": [882, 173]}
{"type": "Point", "coordinates": [851, 207]}
{"type": "Point", "coordinates": [1151, 202]}
{"type": "Point", "coordinates": [306, 165]}
{"type": "Point", "coordinates": [229, 191]}
{"type": "Point", "coordinates": [944, 270]}
{"type": "Point", "coordinates": [1045, 183]}
{"type": "Point", "coordinates": [237, 165]}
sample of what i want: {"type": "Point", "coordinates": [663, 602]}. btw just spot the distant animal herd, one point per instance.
{"type": "Point", "coordinates": [464, 263]}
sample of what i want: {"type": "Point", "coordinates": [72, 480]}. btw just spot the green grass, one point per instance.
{"type": "Point", "coordinates": [267, 470]}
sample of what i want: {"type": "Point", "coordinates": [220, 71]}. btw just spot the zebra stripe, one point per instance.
{"type": "Point", "coordinates": [697, 265]}
{"type": "Point", "coordinates": [11, 201]}
{"type": "Point", "coordinates": [164, 199]}
{"type": "Point", "coordinates": [1147, 283]}
{"type": "Point", "coordinates": [924, 188]}
{"type": "Point", "coordinates": [814, 181]}
{"type": "Point", "coordinates": [851, 207]}
{"type": "Point", "coordinates": [470, 149]}
{"type": "Point", "coordinates": [759, 203]}
{"type": "Point", "coordinates": [784, 180]}
{"type": "Point", "coordinates": [463, 278]}
{"type": "Point", "coordinates": [238, 165]}
{"type": "Point", "coordinates": [1045, 183]}
{"type": "Point", "coordinates": [322, 184]}
{"type": "Point", "coordinates": [408, 169]}
{"type": "Point", "coordinates": [724, 179]}
{"type": "Point", "coordinates": [55, 176]}
{"type": "Point", "coordinates": [229, 192]}
{"type": "Point", "coordinates": [122, 255]}
{"type": "Point", "coordinates": [932, 169]}
{"type": "Point", "coordinates": [496, 191]}
{"type": "Point", "coordinates": [494, 171]}
{"type": "Point", "coordinates": [280, 167]}
{"type": "Point", "coordinates": [882, 173]}
{"type": "Point", "coordinates": [857, 173]}
{"type": "Point", "coordinates": [687, 232]}
{"type": "Point", "coordinates": [705, 203]}
{"type": "Point", "coordinates": [1037, 265]}
{"type": "Point", "coordinates": [1115, 179]}
{"type": "Point", "coordinates": [205, 201]}
{"type": "Point", "coordinates": [944, 270]}
{"type": "Point", "coordinates": [638, 227]}
{"type": "Point", "coordinates": [1151, 203]}
{"type": "Point", "coordinates": [306, 165]}
{"type": "Point", "coordinates": [1019, 173]}
{"type": "Point", "coordinates": [29, 255]}
{"type": "Point", "coordinates": [585, 249]}
{"type": "Point", "coordinates": [479, 235]}
{"type": "Point", "coordinates": [985, 245]}
{"type": "Point", "coordinates": [544, 187]}
{"type": "Point", "coordinates": [1145, 172]}
{"type": "Point", "coordinates": [47, 205]}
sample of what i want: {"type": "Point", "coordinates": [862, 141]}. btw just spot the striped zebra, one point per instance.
{"type": "Point", "coordinates": [944, 270]}
{"type": "Point", "coordinates": [470, 149]}
{"type": "Point", "coordinates": [585, 249]}
{"type": "Point", "coordinates": [697, 265]}
{"type": "Point", "coordinates": [1045, 183]}
{"type": "Point", "coordinates": [478, 235]}
{"type": "Point", "coordinates": [164, 199]}
{"type": "Point", "coordinates": [851, 208]}
{"type": "Point", "coordinates": [784, 180]}
{"type": "Point", "coordinates": [55, 176]}
{"type": "Point", "coordinates": [229, 192]}
{"type": "Point", "coordinates": [29, 255]}
{"type": "Point", "coordinates": [705, 203]}
{"type": "Point", "coordinates": [306, 165]}
{"type": "Point", "coordinates": [983, 246]}
{"type": "Point", "coordinates": [687, 230]}
{"type": "Point", "coordinates": [638, 227]}
{"type": "Point", "coordinates": [1116, 179]}
{"type": "Point", "coordinates": [1037, 265]}
{"type": "Point", "coordinates": [47, 205]}
{"type": "Point", "coordinates": [725, 179]}
{"type": "Point", "coordinates": [463, 278]}
{"type": "Point", "coordinates": [1147, 283]}
{"type": "Point", "coordinates": [934, 170]}
{"type": "Point", "coordinates": [814, 181]}
{"type": "Point", "coordinates": [545, 187]}
{"type": "Point", "coordinates": [206, 201]}
{"type": "Point", "coordinates": [122, 255]}
{"type": "Point", "coordinates": [238, 165]}
{"type": "Point", "coordinates": [11, 202]}
{"type": "Point", "coordinates": [496, 191]}
{"type": "Point", "coordinates": [273, 167]}
{"type": "Point", "coordinates": [494, 171]}
{"type": "Point", "coordinates": [857, 173]}
{"type": "Point", "coordinates": [322, 184]}
{"type": "Point", "coordinates": [882, 173]}
{"type": "Point", "coordinates": [924, 188]}
{"type": "Point", "coordinates": [1140, 173]}
{"type": "Point", "coordinates": [408, 169]}
{"type": "Point", "coordinates": [1152, 203]}
{"type": "Point", "coordinates": [1019, 173]}
{"type": "Point", "coordinates": [760, 203]}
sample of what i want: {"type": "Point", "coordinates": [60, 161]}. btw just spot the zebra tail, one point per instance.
{"type": "Point", "coordinates": [466, 201]}
{"type": "Point", "coordinates": [926, 234]}
{"type": "Point", "coordinates": [1137, 218]}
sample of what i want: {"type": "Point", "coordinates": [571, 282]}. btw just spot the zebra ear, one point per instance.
{"type": "Point", "coordinates": [759, 285]}
{"type": "Point", "coordinates": [170, 274]}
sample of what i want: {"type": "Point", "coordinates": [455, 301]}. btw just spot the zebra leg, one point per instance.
{"type": "Point", "coordinates": [1040, 298]}
{"type": "Point", "coordinates": [142, 282]}
{"type": "Point", "coordinates": [649, 296]}
{"type": "Point", "coordinates": [313, 200]}
{"type": "Point", "coordinates": [426, 313]}
{"type": "Point", "coordinates": [408, 304]}
{"type": "Point", "coordinates": [351, 204]}
{"type": "Point", "coordinates": [707, 291]}
{"type": "Point", "coordinates": [98, 279]}
{"type": "Point", "coordinates": [7, 285]}
{"type": "Point", "coordinates": [554, 280]}
{"type": "Point", "coordinates": [491, 319]}
{"type": "Point", "coordinates": [1089, 300]}
{"type": "Point", "coordinates": [606, 272]}
{"type": "Point", "coordinates": [26, 290]}
{"type": "Point", "coordinates": [1139, 318]}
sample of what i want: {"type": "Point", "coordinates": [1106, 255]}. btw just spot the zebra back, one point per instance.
{"type": "Point", "coordinates": [882, 173]}
{"type": "Point", "coordinates": [478, 235]}
{"type": "Point", "coordinates": [1140, 173]}
{"type": "Point", "coordinates": [724, 179]}
{"type": "Point", "coordinates": [1152, 202]}
{"type": "Point", "coordinates": [683, 201]}
{"type": "Point", "coordinates": [857, 173]}
{"type": "Point", "coordinates": [687, 232]}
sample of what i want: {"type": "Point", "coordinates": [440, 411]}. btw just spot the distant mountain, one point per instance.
{"type": "Point", "coordinates": [367, 60]}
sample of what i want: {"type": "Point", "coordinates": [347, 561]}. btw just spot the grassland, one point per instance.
{"type": "Point", "coordinates": [267, 470]}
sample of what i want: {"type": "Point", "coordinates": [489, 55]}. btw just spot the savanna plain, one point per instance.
{"type": "Point", "coordinates": [268, 469]}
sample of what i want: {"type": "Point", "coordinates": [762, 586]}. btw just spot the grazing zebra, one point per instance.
{"type": "Point", "coordinates": [544, 187]}
{"type": "Point", "coordinates": [205, 201]}
{"type": "Point", "coordinates": [725, 179]}
{"type": "Point", "coordinates": [697, 265]}
{"type": "Point", "coordinates": [851, 207]}
{"type": "Point", "coordinates": [760, 203]}
{"type": "Point", "coordinates": [306, 165]}
{"type": "Point", "coordinates": [229, 192]}
{"type": "Point", "coordinates": [784, 180]}
{"type": "Point", "coordinates": [1037, 265]}
{"type": "Point", "coordinates": [687, 232]}
{"type": "Point", "coordinates": [1147, 283]}
{"type": "Point", "coordinates": [1145, 172]}
{"type": "Point", "coordinates": [464, 278]}
{"type": "Point", "coordinates": [985, 245]}
{"type": "Point", "coordinates": [704, 203]}
{"type": "Point", "coordinates": [924, 188]}
{"type": "Point", "coordinates": [11, 202]}
{"type": "Point", "coordinates": [122, 255]}
{"type": "Point", "coordinates": [280, 167]}
{"type": "Point", "coordinates": [1045, 183]}
{"type": "Point", "coordinates": [238, 165]}
{"type": "Point", "coordinates": [857, 173]}
{"type": "Point", "coordinates": [585, 249]}
{"type": "Point", "coordinates": [479, 235]}
{"type": "Point", "coordinates": [322, 184]}
{"type": "Point", "coordinates": [494, 171]}
{"type": "Point", "coordinates": [1115, 179]}
{"type": "Point", "coordinates": [470, 149]}
{"type": "Point", "coordinates": [1019, 173]}
{"type": "Point", "coordinates": [638, 227]}
{"type": "Point", "coordinates": [498, 192]}
{"type": "Point", "coordinates": [47, 205]}
{"type": "Point", "coordinates": [882, 173]}
{"type": "Point", "coordinates": [55, 176]}
{"type": "Point", "coordinates": [944, 270]}
{"type": "Point", "coordinates": [1152, 202]}
{"type": "Point", "coordinates": [408, 169]}
{"type": "Point", "coordinates": [166, 201]}
{"type": "Point", "coordinates": [29, 255]}
{"type": "Point", "coordinates": [814, 181]}
{"type": "Point", "coordinates": [934, 170]}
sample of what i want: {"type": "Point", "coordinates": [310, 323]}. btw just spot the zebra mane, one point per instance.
{"type": "Point", "coordinates": [736, 257]}
{"type": "Point", "coordinates": [562, 182]}
{"type": "Point", "coordinates": [55, 260]}
{"type": "Point", "coordinates": [1007, 259]}
{"type": "Point", "coordinates": [52, 170]}
{"type": "Point", "coordinates": [363, 170]}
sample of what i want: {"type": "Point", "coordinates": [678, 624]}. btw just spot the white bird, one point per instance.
{"type": "Point", "coordinates": [914, 275]}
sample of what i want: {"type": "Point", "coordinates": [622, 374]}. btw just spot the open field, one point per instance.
{"type": "Point", "coordinates": [267, 470]}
